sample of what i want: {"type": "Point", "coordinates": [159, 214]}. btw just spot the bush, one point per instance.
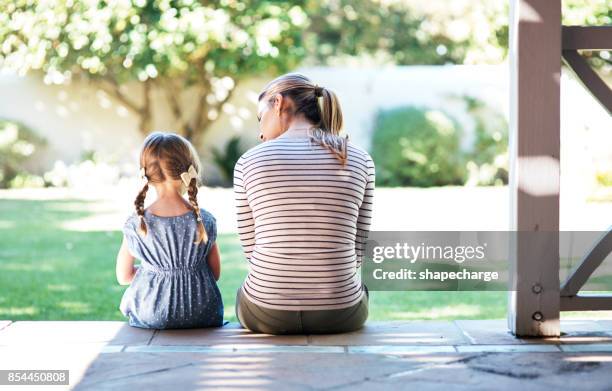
{"type": "Point", "coordinates": [226, 159]}
{"type": "Point", "coordinates": [417, 146]}
{"type": "Point", "coordinates": [487, 161]}
{"type": "Point", "coordinates": [17, 144]}
{"type": "Point", "coordinates": [93, 169]}
{"type": "Point", "coordinates": [414, 146]}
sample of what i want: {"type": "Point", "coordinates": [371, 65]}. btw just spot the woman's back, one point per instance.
{"type": "Point", "coordinates": [301, 221]}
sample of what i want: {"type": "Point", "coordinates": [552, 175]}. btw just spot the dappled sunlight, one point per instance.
{"type": "Point", "coordinates": [27, 267]}
{"type": "Point", "coordinates": [99, 216]}
{"type": "Point", "coordinates": [219, 370]}
{"type": "Point", "coordinates": [99, 222]}
{"type": "Point", "coordinates": [12, 312]}
{"type": "Point", "coordinates": [437, 358]}
{"type": "Point", "coordinates": [407, 338]}
{"type": "Point", "coordinates": [589, 358]}
{"type": "Point", "coordinates": [238, 360]}
{"type": "Point", "coordinates": [6, 224]}
{"type": "Point", "coordinates": [586, 315]}
{"type": "Point", "coordinates": [60, 288]}
{"type": "Point", "coordinates": [231, 381]}
{"type": "Point", "coordinates": [244, 371]}
{"type": "Point", "coordinates": [407, 334]}
{"type": "Point", "coordinates": [592, 337]}
{"type": "Point", "coordinates": [450, 311]}
{"type": "Point", "coordinates": [75, 307]}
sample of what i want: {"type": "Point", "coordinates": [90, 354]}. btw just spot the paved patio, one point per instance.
{"type": "Point", "coordinates": [464, 354]}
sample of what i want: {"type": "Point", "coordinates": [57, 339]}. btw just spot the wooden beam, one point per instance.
{"type": "Point", "coordinates": [591, 261]}
{"type": "Point", "coordinates": [584, 302]}
{"type": "Point", "coordinates": [587, 37]}
{"type": "Point", "coordinates": [535, 70]}
{"type": "Point", "coordinates": [589, 78]}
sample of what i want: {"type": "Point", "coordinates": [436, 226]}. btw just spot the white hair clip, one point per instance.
{"type": "Point", "coordinates": [188, 175]}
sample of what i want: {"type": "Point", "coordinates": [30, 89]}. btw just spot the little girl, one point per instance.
{"type": "Point", "coordinates": [175, 285]}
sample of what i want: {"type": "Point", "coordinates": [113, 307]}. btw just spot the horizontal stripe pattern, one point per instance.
{"type": "Point", "coordinates": [303, 220]}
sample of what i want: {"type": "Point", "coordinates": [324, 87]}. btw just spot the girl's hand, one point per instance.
{"type": "Point", "coordinates": [214, 261]}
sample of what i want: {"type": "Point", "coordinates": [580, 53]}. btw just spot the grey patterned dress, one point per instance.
{"type": "Point", "coordinates": [173, 287]}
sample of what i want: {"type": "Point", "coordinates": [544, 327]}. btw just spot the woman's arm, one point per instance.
{"type": "Point", "coordinates": [244, 214]}
{"type": "Point", "coordinates": [364, 220]}
{"type": "Point", "coordinates": [214, 261]}
{"type": "Point", "coordinates": [125, 269]}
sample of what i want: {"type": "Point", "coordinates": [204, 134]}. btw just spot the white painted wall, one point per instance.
{"type": "Point", "coordinates": [77, 117]}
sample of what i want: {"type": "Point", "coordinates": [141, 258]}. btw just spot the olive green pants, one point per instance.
{"type": "Point", "coordinates": [272, 321]}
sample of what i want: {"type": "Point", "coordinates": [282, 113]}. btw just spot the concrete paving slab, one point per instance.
{"type": "Point", "coordinates": [401, 350]}
{"type": "Point", "coordinates": [72, 332]}
{"type": "Point", "coordinates": [458, 355]}
{"type": "Point", "coordinates": [606, 325]}
{"type": "Point", "coordinates": [284, 371]}
{"type": "Point", "coordinates": [231, 333]}
{"type": "Point", "coordinates": [247, 348]}
{"type": "Point", "coordinates": [577, 331]}
{"type": "Point", "coordinates": [308, 371]}
{"type": "Point", "coordinates": [591, 347]}
{"type": "Point", "coordinates": [397, 333]}
{"type": "Point", "coordinates": [574, 326]}
{"type": "Point", "coordinates": [494, 331]}
{"type": "Point", "coordinates": [488, 332]}
{"type": "Point", "coordinates": [523, 348]}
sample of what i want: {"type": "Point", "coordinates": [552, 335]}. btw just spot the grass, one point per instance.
{"type": "Point", "coordinates": [48, 272]}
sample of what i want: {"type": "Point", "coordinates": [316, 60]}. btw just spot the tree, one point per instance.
{"type": "Point", "coordinates": [180, 47]}
{"type": "Point", "coordinates": [201, 50]}
{"type": "Point", "coordinates": [407, 32]}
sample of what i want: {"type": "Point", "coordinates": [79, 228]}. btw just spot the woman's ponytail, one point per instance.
{"type": "Point", "coordinates": [318, 104]}
{"type": "Point", "coordinates": [326, 134]}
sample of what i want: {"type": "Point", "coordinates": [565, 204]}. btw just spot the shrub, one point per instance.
{"type": "Point", "coordinates": [487, 161]}
{"type": "Point", "coordinates": [418, 146]}
{"type": "Point", "coordinates": [17, 144]}
{"type": "Point", "coordinates": [415, 146]}
{"type": "Point", "coordinates": [93, 169]}
{"type": "Point", "coordinates": [226, 159]}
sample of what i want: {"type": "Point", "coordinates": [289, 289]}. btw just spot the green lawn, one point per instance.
{"type": "Point", "coordinates": [50, 272]}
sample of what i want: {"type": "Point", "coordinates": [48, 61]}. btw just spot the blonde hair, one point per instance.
{"type": "Point", "coordinates": [319, 105]}
{"type": "Point", "coordinates": [166, 156]}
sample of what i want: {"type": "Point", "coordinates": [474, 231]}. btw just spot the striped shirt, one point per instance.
{"type": "Point", "coordinates": [303, 221]}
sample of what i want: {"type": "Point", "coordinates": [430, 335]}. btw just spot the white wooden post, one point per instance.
{"type": "Point", "coordinates": [535, 62]}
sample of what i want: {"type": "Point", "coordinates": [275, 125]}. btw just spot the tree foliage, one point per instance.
{"type": "Point", "coordinates": [197, 52]}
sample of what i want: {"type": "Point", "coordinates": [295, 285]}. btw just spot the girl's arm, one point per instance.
{"type": "Point", "coordinates": [214, 261]}
{"type": "Point", "coordinates": [125, 269]}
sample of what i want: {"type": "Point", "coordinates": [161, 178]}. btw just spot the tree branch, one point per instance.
{"type": "Point", "coordinates": [113, 89]}
{"type": "Point", "coordinates": [145, 111]}
{"type": "Point", "coordinates": [175, 107]}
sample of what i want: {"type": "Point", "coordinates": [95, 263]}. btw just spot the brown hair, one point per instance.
{"type": "Point", "coordinates": [166, 156]}
{"type": "Point", "coordinates": [319, 105]}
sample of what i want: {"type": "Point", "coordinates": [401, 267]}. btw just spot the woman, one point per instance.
{"type": "Point", "coordinates": [304, 208]}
